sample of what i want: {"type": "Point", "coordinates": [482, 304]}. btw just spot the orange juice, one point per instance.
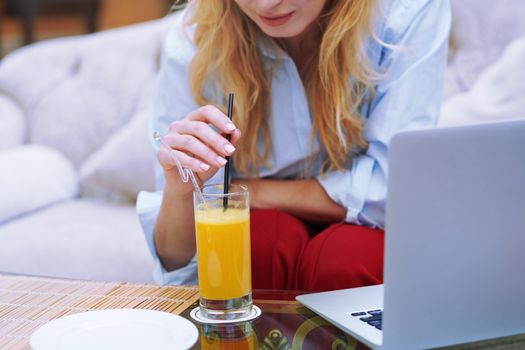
{"type": "Point", "coordinates": [223, 250]}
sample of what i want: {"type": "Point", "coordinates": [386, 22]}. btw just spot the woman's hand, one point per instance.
{"type": "Point", "coordinates": [197, 146]}
{"type": "Point", "coordinates": [202, 149]}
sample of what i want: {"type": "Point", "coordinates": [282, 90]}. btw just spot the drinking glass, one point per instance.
{"type": "Point", "coordinates": [222, 227]}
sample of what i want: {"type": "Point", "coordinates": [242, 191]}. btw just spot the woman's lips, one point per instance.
{"type": "Point", "coordinates": [278, 20]}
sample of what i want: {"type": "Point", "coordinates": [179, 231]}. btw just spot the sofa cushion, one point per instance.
{"type": "Point", "coordinates": [33, 177]}
{"type": "Point", "coordinates": [79, 91]}
{"type": "Point", "coordinates": [123, 166]}
{"type": "Point", "coordinates": [78, 115]}
{"type": "Point", "coordinates": [82, 239]}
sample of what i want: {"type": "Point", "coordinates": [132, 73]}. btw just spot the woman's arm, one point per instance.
{"type": "Point", "coordinates": [175, 230]}
{"type": "Point", "coordinates": [201, 149]}
{"type": "Point", "coordinates": [305, 199]}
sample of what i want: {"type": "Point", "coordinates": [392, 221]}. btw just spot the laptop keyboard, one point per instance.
{"type": "Point", "coordinates": [373, 317]}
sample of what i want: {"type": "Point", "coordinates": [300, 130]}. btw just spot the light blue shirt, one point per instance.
{"type": "Point", "coordinates": [408, 98]}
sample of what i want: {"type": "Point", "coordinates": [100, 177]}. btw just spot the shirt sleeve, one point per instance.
{"type": "Point", "coordinates": [172, 102]}
{"type": "Point", "coordinates": [409, 97]}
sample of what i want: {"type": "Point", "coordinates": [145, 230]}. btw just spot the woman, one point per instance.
{"type": "Point", "coordinates": [320, 88]}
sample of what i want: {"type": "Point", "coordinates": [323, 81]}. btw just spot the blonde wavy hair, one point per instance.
{"type": "Point", "coordinates": [227, 57]}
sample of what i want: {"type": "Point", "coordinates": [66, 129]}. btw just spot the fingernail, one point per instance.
{"type": "Point", "coordinates": [230, 126]}
{"type": "Point", "coordinates": [221, 160]}
{"type": "Point", "coordinates": [229, 148]}
{"type": "Point", "coordinates": [204, 166]}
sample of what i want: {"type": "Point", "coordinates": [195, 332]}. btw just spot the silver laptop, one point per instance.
{"type": "Point", "coordinates": [455, 243]}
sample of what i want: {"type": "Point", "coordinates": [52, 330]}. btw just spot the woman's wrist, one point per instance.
{"type": "Point", "coordinates": [175, 188]}
{"type": "Point", "coordinates": [178, 193]}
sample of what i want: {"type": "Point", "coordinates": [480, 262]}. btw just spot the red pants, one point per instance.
{"type": "Point", "coordinates": [289, 254]}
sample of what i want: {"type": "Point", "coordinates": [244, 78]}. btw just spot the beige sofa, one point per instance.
{"type": "Point", "coordinates": [74, 150]}
{"type": "Point", "coordinates": [74, 153]}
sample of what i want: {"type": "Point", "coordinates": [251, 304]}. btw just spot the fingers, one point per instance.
{"type": "Point", "coordinates": [214, 116]}
{"type": "Point", "coordinates": [168, 160]}
{"type": "Point", "coordinates": [197, 143]}
{"type": "Point", "coordinates": [185, 144]}
{"type": "Point", "coordinates": [203, 132]}
{"type": "Point", "coordinates": [236, 135]}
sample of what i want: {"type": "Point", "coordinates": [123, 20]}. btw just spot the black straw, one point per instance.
{"type": "Point", "coordinates": [227, 168]}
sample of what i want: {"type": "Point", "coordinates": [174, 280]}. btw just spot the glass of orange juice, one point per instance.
{"type": "Point", "coordinates": [223, 252]}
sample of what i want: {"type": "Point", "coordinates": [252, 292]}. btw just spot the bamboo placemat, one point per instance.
{"type": "Point", "coordinates": [27, 303]}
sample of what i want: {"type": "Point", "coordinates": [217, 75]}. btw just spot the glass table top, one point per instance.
{"type": "Point", "coordinates": [284, 324]}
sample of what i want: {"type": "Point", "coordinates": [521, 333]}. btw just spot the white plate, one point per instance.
{"type": "Point", "coordinates": [128, 329]}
